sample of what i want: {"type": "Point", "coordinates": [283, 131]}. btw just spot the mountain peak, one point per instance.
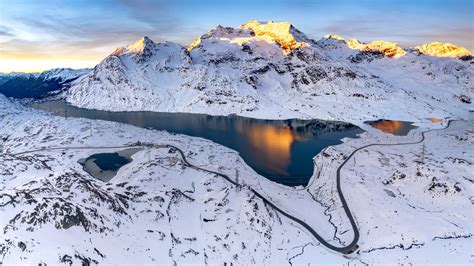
{"type": "Point", "coordinates": [387, 48]}
{"type": "Point", "coordinates": [141, 45]}
{"type": "Point", "coordinates": [282, 33]}
{"type": "Point", "coordinates": [220, 32]}
{"type": "Point", "coordinates": [440, 49]}
{"type": "Point", "coordinates": [334, 36]}
{"type": "Point", "coordinates": [392, 49]}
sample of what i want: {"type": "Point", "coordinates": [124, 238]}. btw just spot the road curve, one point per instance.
{"type": "Point", "coordinates": [350, 248]}
{"type": "Point", "coordinates": [346, 249]}
{"type": "Point", "coordinates": [353, 245]}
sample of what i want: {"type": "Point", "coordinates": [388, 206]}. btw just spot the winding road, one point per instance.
{"type": "Point", "coordinates": [350, 248]}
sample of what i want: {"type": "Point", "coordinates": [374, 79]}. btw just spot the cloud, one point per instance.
{"type": "Point", "coordinates": [153, 15]}
{"type": "Point", "coordinates": [6, 31]}
{"type": "Point", "coordinates": [87, 32]}
{"type": "Point", "coordinates": [96, 27]}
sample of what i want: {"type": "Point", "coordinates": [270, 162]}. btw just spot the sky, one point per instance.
{"type": "Point", "coordinates": [38, 35]}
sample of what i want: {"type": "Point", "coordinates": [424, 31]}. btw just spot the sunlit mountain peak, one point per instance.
{"type": "Point", "coordinates": [140, 45]}
{"type": "Point", "coordinates": [223, 33]}
{"type": "Point", "coordinates": [389, 49]}
{"type": "Point", "coordinates": [282, 33]}
{"type": "Point", "coordinates": [333, 36]}
{"type": "Point", "coordinates": [440, 49]}
{"type": "Point", "coordinates": [193, 45]}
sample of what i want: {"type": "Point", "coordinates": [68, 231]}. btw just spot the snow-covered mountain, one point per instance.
{"type": "Point", "coordinates": [63, 74]}
{"type": "Point", "coordinates": [37, 85]}
{"type": "Point", "coordinates": [273, 70]}
{"type": "Point", "coordinates": [4, 77]}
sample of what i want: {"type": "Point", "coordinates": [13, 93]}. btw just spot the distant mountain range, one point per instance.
{"type": "Point", "coordinates": [38, 85]}
{"type": "Point", "coordinates": [273, 70]}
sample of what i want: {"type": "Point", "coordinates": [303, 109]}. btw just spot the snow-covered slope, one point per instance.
{"type": "Point", "coordinates": [156, 210]}
{"type": "Point", "coordinates": [273, 70]}
{"type": "Point", "coordinates": [425, 82]}
{"type": "Point", "coordinates": [411, 202]}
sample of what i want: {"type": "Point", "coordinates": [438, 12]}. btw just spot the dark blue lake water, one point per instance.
{"type": "Point", "coordinates": [109, 161]}
{"type": "Point", "coordinates": [281, 150]}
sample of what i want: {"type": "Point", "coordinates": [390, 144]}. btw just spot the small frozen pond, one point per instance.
{"type": "Point", "coordinates": [104, 166]}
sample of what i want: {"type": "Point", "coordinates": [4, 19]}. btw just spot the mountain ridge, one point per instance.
{"type": "Point", "coordinates": [275, 74]}
{"type": "Point", "coordinates": [38, 85]}
{"type": "Point", "coordinates": [392, 49]}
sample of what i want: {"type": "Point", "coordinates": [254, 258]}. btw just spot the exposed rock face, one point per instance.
{"type": "Point", "coordinates": [443, 50]}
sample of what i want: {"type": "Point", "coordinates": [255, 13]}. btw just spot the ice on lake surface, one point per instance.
{"type": "Point", "coordinates": [104, 166]}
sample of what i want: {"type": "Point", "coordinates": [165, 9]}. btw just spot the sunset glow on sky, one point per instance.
{"type": "Point", "coordinates": [40, 35]}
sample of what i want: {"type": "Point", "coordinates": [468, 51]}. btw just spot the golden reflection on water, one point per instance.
{"type": "Point", "coordinates": [272, 145]}
{"type": "Point", "coordinates": [436, 120]}
{"type": "Point", "coordinates": [388, 126]}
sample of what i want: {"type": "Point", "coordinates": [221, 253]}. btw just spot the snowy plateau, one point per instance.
{"type": "Point", "coordinates": [411, 196]}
